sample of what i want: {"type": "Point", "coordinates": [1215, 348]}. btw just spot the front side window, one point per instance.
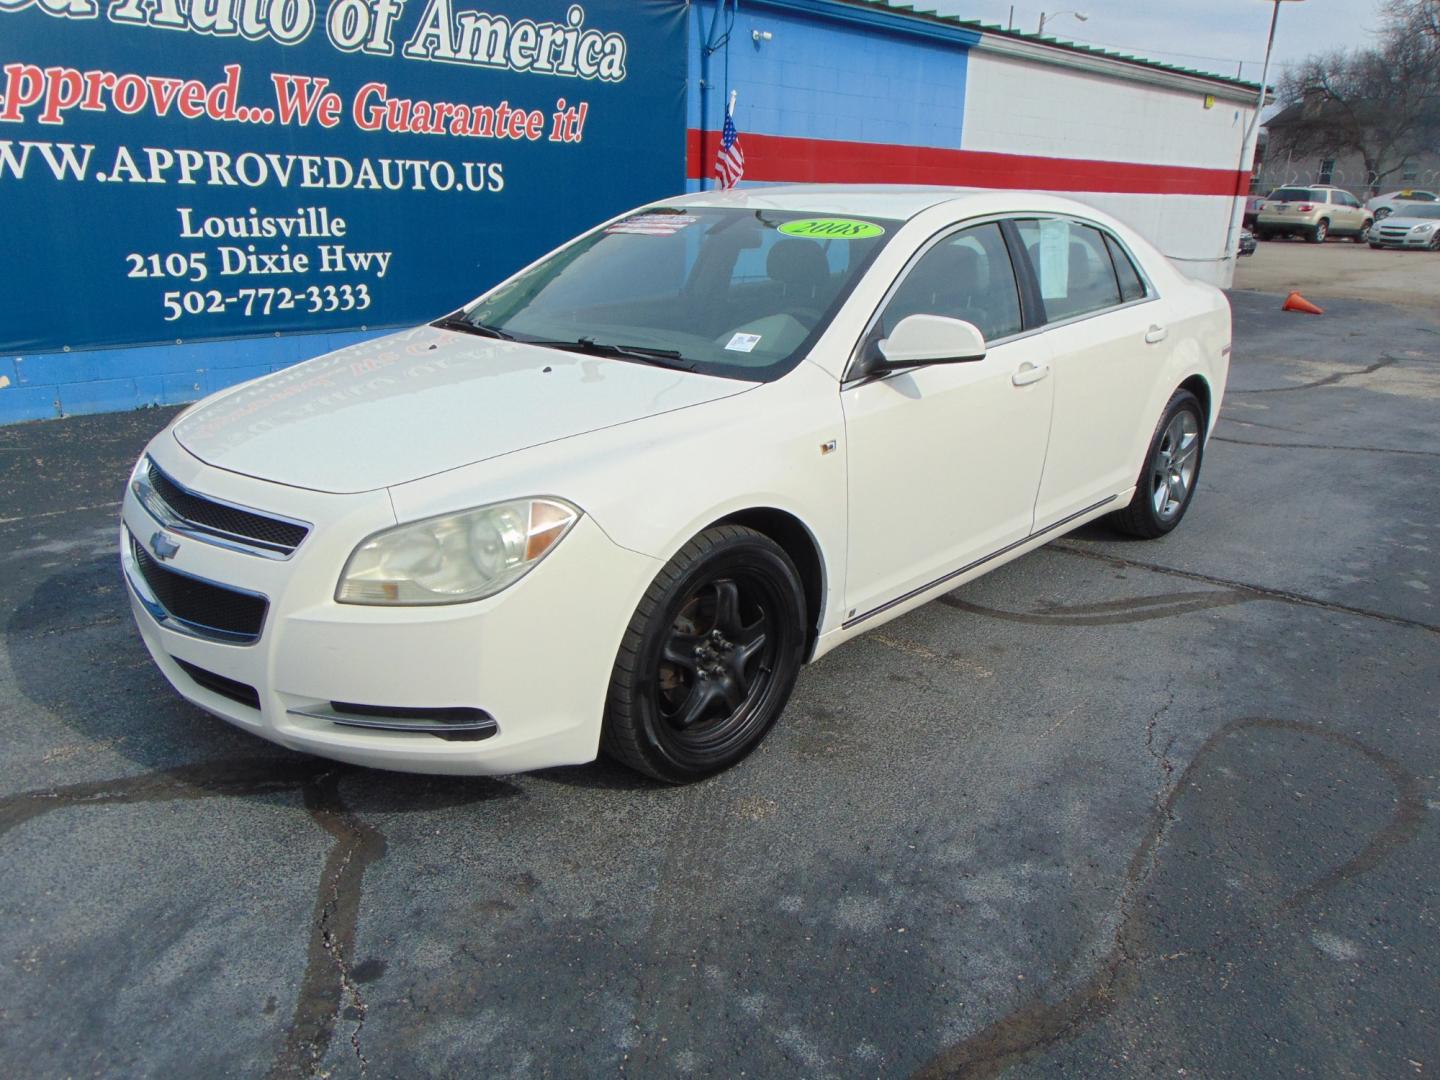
{"type": "Point", "coordinates": [966, 276]}
{"type": "Point", "coordinates": [724, 291]}
{"type": "Point", "coordinates": [1073, 265]}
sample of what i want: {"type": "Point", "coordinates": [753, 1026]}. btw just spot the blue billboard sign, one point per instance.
{"type": "Point", "coordinates": [193, 170]}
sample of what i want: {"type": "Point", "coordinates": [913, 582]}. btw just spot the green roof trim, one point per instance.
{"type": "Point", "coordinates": [909, 11]}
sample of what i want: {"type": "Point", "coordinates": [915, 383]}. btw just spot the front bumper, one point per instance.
{"type": "Point", "coordinates": [535, 659]}
{"type": "Point", "coordinates": [1378, 238]}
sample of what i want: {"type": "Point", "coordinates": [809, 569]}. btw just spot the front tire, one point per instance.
{"type": "Point", "coordinates": [1363, 236]}
{"type": "Point", "coordinates": [1172, 468]}
{"type": "Point", "coordinates": [709, 659]}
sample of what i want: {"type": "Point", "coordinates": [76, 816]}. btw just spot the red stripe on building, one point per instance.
{"type": "Point", "coordinates": [783, 159]}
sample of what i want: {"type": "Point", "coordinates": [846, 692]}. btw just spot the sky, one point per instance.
{"type": "Point", "coordinates": [1212, 35]}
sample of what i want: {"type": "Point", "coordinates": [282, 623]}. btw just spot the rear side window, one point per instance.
{"type": "Point", "coordinates": [966, 276]}
{"type": "Point", "coordinates": [1296, 194]}
{"type": "Point", "coordinates": [1132, 286]}
{"type": "Point", "coordinates": [1073, 265]}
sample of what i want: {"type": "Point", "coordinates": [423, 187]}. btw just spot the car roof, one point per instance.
{"type": "Point", "coordinates": [882, 200]}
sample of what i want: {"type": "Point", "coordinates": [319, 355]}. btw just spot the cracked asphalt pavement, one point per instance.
{"type": "Point", "coordinates": [1163, 808]}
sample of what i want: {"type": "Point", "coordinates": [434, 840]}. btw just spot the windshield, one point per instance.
{"type": "Point", "coordinates": [1424, 210]}
{"type": "Point", "coordinates": [724, 291]}
{"type": "Point", "coordinates": [1295, 194]}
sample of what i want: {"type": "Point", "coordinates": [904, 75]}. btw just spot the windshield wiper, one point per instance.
{"type": "Point", "coordinates": [458, 322]}
{"type": "Point", "coordinates": [666, 358]}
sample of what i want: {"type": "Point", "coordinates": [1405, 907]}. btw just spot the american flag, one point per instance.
{"type": "Point", "coordinates": [730, 162]}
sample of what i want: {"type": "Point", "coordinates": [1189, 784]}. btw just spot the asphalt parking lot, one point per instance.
{"type": "Point", "coordinates": [1163, 808]}
{"type": "Point", "coordinates": [1346, 270]}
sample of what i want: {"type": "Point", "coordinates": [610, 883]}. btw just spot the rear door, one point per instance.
{"type": "Point", "coordinates": [1342, 218]}
{"type": "Point", "coordinates": [1108, 342]}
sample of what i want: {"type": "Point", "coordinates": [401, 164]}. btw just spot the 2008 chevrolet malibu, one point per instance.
{"type": "Point", "coordinates": [616, 502]}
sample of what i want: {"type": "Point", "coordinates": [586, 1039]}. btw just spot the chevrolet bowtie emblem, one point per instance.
{"type": "Point", "coordinates": [163, 546]}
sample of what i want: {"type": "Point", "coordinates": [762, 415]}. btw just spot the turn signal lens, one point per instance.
{"type": "Point", "coordinates": [455, 557]}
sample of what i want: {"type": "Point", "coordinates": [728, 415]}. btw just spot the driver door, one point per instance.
{"type": "Point", "coordinates": [945, 461]}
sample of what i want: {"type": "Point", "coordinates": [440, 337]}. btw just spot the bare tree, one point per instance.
{"type": "Point", "coordinates": [1381, 104]}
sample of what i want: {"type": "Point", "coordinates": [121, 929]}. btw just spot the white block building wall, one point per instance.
{"type": "Point", "coordinates": [831, 91]}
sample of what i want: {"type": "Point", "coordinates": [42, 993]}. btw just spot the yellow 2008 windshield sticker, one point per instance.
{"type": "Point", "coordinates": [832, 229]}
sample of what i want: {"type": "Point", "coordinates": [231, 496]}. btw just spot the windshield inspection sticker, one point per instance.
{"type": "Point", "coordinates": [832, 229]}
{"type": "Point", "coordinates": [653, 224]}
{"type": "Point", "coordinates": [743, 342]}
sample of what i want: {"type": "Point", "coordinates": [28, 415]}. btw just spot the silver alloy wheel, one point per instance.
{"type": "Point", "coordinates": [1173, 470]}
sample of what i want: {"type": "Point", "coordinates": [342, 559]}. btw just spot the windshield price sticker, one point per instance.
{"type": "Point", "coordinates": [652, 224]}
{"type": "Point", "coordinates": [832, 229]}
{"type": "Point", "coordinates": [743, 342]}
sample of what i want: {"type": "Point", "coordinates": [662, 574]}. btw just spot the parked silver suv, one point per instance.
{"type": "Point", "coordinates": [1315, 212]}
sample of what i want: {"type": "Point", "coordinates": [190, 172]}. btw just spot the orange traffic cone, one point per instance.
{"type": "Point", "coordinates": [1296, 302]}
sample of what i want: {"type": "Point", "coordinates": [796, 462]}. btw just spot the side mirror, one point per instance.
{"type": "Point", "coordinates": [932, 339]}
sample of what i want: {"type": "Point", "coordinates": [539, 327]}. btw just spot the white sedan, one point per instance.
{"type": "Point", "coordinates": [617, 501]}
{"type": "Point", "coordinates": [1397, 201]}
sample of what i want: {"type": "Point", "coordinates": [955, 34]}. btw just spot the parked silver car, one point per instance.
{"type": "Point", "coordinates": [1398, 202]}
{"type": "Point", "coordinates": [1414, 226]}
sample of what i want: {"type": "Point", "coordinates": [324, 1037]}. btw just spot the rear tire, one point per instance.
{"type": "Point", "coordinates": [1320, 232]}
{"type": "Point", "coordinates": [1167, 480]}
{"type": "Point", "coordinates": [709, 659]}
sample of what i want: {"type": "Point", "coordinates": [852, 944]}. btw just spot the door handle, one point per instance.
{"type": "Point", "coordinates": [1029, 373]}
{"type": "Point", "coordinates": [1155, 334]}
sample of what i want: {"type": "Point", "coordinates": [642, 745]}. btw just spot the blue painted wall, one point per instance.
{"type": "Point", "coordinates": [823, 76]}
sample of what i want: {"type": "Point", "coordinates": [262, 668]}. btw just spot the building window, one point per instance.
{"type": "Point", "coordinates": [1327, 171]}
{"type": "Point", "coordinates": [1410, 175]}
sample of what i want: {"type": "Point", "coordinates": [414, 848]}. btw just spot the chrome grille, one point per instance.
{"type": "Point", "coordinates": [206, 518]}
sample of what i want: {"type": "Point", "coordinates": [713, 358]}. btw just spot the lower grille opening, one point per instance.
{"type": "Point", "coordinates": [238, 692]}
{"type": "Point", "coordinates": [457, 724]}
{"type": "Point", "coordinates": [211, 610]}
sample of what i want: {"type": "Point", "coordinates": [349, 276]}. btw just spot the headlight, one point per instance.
{"type": "Point", "coordinates": [455, 557]}
{"type": "Point", "coordinates": [1421, 230]}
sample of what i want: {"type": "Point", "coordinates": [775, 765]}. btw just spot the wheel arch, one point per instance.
{"type": "Point", "coordinates": [1198, 385]}
{"type": "Point", "coordinates": [798, 542]}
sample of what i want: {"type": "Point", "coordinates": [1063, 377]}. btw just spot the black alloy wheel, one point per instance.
{"type": "Point", "coordinates": [709, 659]}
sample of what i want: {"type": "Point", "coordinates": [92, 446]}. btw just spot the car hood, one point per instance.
{"type": "Point", "coordinates": [1398, 219]}
{"type": "Point", "coordinates": [420, 402]}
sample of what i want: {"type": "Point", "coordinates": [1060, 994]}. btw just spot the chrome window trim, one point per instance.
{"type": "Point", "coordinates": [168, 517]}
{"type": "Point", "coordinates": [170, 621]}
{"type": "Point", "coordinates": [847, 381]}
